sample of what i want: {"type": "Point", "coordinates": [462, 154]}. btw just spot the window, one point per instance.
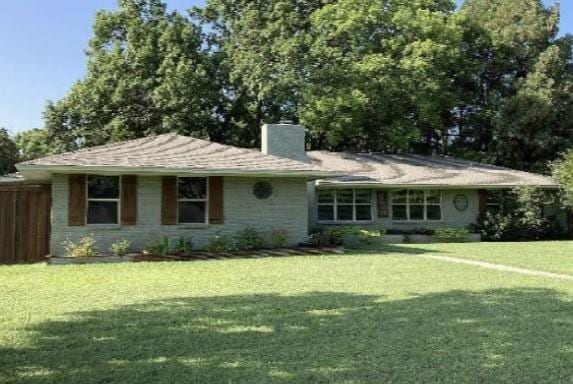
{"type": "Point", "coordinates": [103, 199]}
{"type": "Point", "coordinates": [495, 199]}
{"type": "Point", "coordinates": [344, 205]}
{"type": "Point", "coordinates": [192, 200]}
{"type": "Point", "coordinates": [417, 205]}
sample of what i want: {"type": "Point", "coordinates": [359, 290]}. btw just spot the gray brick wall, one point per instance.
{"type": "Point", "coordinates": [287, 208]}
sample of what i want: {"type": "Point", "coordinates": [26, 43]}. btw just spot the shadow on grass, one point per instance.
{"type": "Point", "coordinates": [510, 335]}
{"type": "Point", "coordinates": [417, 249]}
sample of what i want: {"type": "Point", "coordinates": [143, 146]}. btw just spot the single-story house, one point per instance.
{"type": "Point", "coordinates": [178, 186]}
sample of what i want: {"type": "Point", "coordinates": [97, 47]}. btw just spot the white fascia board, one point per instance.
{"type": "Point", "coordinates": [334, 184]}
{"type": "Point", "coordinates": [43, 171]}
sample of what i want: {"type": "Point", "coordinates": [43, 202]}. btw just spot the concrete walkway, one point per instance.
{"type": "Point", "coordinates": [499, 267]}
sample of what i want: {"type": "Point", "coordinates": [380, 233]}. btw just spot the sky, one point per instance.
{"type": "Point", "coordinates": [42, 46]}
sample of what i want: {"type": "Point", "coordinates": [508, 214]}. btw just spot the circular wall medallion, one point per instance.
{"type": "Point", "coordinates": [262, 189]}
{"type": "Point", "coordinates": [461, 202]}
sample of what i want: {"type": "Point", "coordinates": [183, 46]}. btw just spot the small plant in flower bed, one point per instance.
{"type": "Point", "coordinates": [219, 243]}
{"type": "Point", "coordinates": [365, 235]}
{"type": "Point", "coordinates": [333, 237]}
{"type": "Point", "coordinates": [451, 234]}
{"type": "Point", "coordinates": [327, 237]}
{"type": "Point", "coordinates": [120, 247]}
{"type": "Point", "coordinates": [278, 238]}
{"type": "Point", "coordinates": [184, 246]}
{"type": "Point", "coordinates": [84, 247]}
{"type": "Point", "coordinates": [159, 247]}
{"type": "Point", "coordinates": [248, 239]}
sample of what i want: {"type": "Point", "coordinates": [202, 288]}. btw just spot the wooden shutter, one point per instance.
{"type": "Point", "coordinates": [77, 200]}
{"type": "Point", "coordinates": [216, 205]}
{"type": "Point", "coordinates": [383, 204]}
{"type": "Point", "coordinates": [129, 200]}
{"type": "Point", "coordinates": [482, 195]}
{"type": "Point", "coordinates": [169, 200]}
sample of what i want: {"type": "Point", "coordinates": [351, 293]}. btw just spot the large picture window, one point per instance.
{"type": "Point", "coordinates": [103, 199]}
{"type": "Point", "coordinates": [417, 205]}
{"type": "Point", "coordinates": [344, 205]}
{"type": "Point", "coordinates": [192, 200]}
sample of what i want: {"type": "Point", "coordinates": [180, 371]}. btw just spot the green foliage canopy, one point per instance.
{"type": "Point", "coordinates": [35, 143]}
{"type": "Point", "coordinates": [490, 81]}
{"type": "Point", "coordinates": [8, 153]}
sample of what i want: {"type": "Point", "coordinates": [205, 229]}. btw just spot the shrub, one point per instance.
{"type": "Point", "coordinates": [414, 231]}
{"type": "Point", "coordinates": [366, 235]}
{"type": "Point", "coordinates": [563, 172]}
{"type": "Point", "coordinates": [524, 221]}
{"type": "Point", "coordinates": [328, 237]}
{"type": "Point", "coordinates": [84, 247]}
{"type": "Point", "coordinates": [497, 227]}
{"type": "Point", "coordinates": [278, 238]}
{"type": "Point", "coordinates": [249, 239]}
{"type": "Point", "coordinates": [183, 246]}
{"type": "Point", "coordinates": [219, 243]}
{"type": "Point", "coordinates": [451, 234]}
{"type": "Point", "coordinates": [333, 237]}
{"type": "Point", "coordinates": [120, 247]}
{"type": "Point", "coordinates": [159, 247]}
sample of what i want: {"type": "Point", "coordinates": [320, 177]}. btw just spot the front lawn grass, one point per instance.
{"type": "Point", "coordinates": [548, 256]}
{"type": "Point", "coordinates": [331, 319]}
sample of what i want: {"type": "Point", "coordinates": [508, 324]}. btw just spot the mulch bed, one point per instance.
{"type": "Point", "coordinates": [256, 254]}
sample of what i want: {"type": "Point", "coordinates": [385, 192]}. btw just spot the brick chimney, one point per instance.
{"type": "Point", "coordinates": [285, 140]}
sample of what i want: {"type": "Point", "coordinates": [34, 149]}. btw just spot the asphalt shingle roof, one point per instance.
{"type": "Point", "coordinates": [171, 151]}
{"type": "Point", "coordinates": [174, 151]}
{"type": "Point", "coordinates": [404, 170]}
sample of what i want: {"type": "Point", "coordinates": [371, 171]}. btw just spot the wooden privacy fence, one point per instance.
{"type": "Point", "coordinates": [24, 223]}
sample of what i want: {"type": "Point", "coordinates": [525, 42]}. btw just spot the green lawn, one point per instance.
{"type": "Point", "coordinates": [374, 318]}
{"type": "Point", "coordinates": [549, 256]}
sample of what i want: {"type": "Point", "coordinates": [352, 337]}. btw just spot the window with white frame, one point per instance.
{"type": "Point", "coordinates": [344, 205]}
{"type": "Point", "coordinates": [417, 205]}
{"type": "Point", "coordinates": [192, 200]}
{"type": "Point", "coordinates": [103, 199]}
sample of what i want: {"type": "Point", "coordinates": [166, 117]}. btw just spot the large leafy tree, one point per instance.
{"type": "Point", "coordinates": [35, 143]}
{"type": "Point", "coordinates": [148, 73]}
{"type": "Point", "coordinates": [262, 47]}
{"type": "Point", "coordinates": [8, 153]}
{"type": "Point", "coordinates": [381, 74]}
{"type": "Point", "coordinates": [516, 109]}
{"type": "Point", "coordinates": [490, 82]}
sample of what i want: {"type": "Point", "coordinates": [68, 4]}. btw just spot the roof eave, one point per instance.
{"type": "Point", "coordinates": [44, 172]}
{"type": "Point", "coordinates": [332, 183]}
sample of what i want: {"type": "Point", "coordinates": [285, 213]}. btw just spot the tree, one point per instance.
{"type": "Point", "coordinates": [381, 74]}
{"type": "Point", "coordinates": [490, 82]}
{"type": "Point", "coordinates": [563, 172]}
{"type": "Point", "coordinates": [537, 122]}
{"type": "Point", "coordinates": [8, 153]}
{"type": "Point", "coordinates": [35, 143]}
{"type": "Point", "coordinates": [262, 47]}
{"type": "Point", "coordinates": [517, 109]}
{"type": "Point", "coordinates": [147, 73]}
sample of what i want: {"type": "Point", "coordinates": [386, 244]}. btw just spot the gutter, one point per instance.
{"type": "Point", "coordinates": [434, 186]}
{"type": "Point", "coordinates": [107, 169]}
